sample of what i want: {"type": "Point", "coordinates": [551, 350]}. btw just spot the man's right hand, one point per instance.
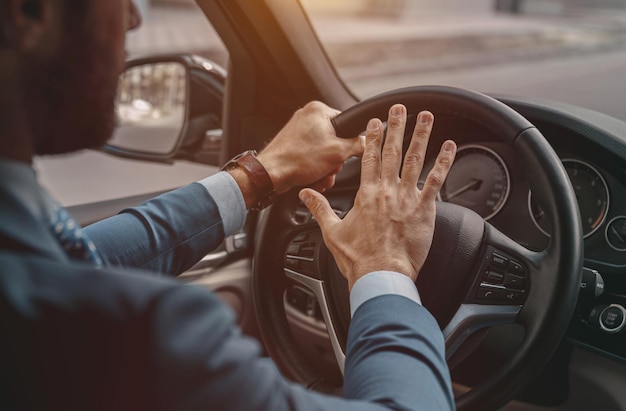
{"type": "Point", "coordinates": [307, 152]}
{"type": "Point", "coordinates": [392, 222]}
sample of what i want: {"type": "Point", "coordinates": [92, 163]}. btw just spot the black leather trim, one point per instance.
{"type": "Point", "coordinates": [486, 111]}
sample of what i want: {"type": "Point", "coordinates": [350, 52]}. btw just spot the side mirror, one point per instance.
{"type": "Point", "coordinates": [160, 117]}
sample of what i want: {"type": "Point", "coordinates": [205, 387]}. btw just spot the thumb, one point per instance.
{"type": "Point", "coordinates": [319, 207]}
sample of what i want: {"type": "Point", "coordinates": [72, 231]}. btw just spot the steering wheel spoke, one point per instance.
{"type": "Point", "coordinates": [503, 281]}
{"type": "Point", "coordinates": [318, 288]}
{"type": "Point", "coordinates": [470, 318]}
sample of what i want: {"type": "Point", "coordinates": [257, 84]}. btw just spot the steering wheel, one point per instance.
{"type": "Point", "coordinates": [535, 289]}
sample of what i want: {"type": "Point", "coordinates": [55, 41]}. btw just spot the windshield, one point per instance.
{"type": "Point", "coordinates": [572, 51]}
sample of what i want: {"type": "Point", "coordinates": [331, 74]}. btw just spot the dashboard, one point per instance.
{"type": "Point", "coordinates": [488, 178]}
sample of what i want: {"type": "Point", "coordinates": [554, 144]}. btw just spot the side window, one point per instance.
{"type": "Point", "coordinates": [101, 184]}
{"type": "Point", "coordinates": [175, 26]}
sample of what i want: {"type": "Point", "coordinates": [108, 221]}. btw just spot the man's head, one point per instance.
{"type": "Point", "coordinates": [61, 61]}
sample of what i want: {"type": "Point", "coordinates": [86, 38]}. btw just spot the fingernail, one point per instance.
{"type": "Point", "coordinates": [396, 110]}
{"type": "Point", "coordinates": [424, 118]}
{"type": "Point", "coordinates": [305, 197]}
{"type": "Point", "coordinates": [372, 125]}
{"type": "Point", "coordinates": [448, 146]}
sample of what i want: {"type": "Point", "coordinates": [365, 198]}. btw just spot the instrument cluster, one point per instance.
{"type": "Point", "coordinates": [486, 178]}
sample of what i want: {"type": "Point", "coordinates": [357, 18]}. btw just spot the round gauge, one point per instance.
{"type": "Point", "coordinates": [478, 180]}
{"type": "Point", "coordinates": [616, 233]}
{"type": "Point", "coordinates": [592, 195]}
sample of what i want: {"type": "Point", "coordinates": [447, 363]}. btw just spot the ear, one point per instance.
{"type": "Point", "coordinates": [28, 24]}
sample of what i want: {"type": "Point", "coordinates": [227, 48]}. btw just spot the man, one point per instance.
{"type": "Point", "coordinates": [80, 332]}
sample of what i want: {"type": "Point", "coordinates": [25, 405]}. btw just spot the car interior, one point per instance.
{"type": "Point", "coordinates": [527, 273]}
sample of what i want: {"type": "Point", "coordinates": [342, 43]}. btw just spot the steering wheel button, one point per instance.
{"type": "Point", "coordinates": [499, 261]}
{"type": "Point", "coordinates": [293, 249]}
{"type": "Point", "coordinates": [494, 277]}
{"type": "Point", "coordinates": [512, 296]}
{"type": "Point", "coordinates": [307, 250]}
{"type": "Point", "coordinates": [485, 293]}
{"type": "Point", "coordinates": [292, 263]}
{"type": "Point", "coordinates": [300, 238]}
{"type": "Point", "coordinates": [297, 298]}
{"type": "Point", "coordinates": [514, 281]}
{"type": "Point", "coordinates": [516, 268]}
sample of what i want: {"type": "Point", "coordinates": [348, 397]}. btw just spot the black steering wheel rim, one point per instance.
{"type": "Point", "coordinates": [548, 306]}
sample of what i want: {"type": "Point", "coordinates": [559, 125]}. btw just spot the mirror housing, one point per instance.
{"type": "Point", "coordinates": [169, 107]}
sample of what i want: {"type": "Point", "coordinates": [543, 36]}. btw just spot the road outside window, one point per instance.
{"type": "Point", "coordinates": [565, 50]}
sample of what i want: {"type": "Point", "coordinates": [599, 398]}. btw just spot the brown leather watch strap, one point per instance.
{"type": "Point", "coordinates": [258, 175]}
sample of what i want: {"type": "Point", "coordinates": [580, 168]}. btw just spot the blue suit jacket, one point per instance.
{"type": "Point", "coordinates": [78, 338]}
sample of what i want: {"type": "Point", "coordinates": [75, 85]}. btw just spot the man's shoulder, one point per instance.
{"type": "Point", "coordinates": [98, 331]}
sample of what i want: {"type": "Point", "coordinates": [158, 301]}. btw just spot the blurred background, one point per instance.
{"type": "Point", "coordinates": [573, 51]}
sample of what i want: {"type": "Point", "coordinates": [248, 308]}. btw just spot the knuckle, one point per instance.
{"type": "Point", "coordinates": [373, 136]}
{"type": "Point", "coordinates": [414, 159]}
{"type": "Point", "coordinates": [372, 143]}
{"type": "Point", "coordinates": [444, 161]}
{"type": "Point", "coordinates": [407, 199]}
{"type": "Point", "coordinates": [391, 150]}
{"type": "Point", "coordinates": [299, 112]}
{"type": "Point", "coordinates": [370, 157]}
{"type": "Point", "coordinates": [388, 196]}
{"type": "Point", "coordinates": [314, 106]}
{"type": "Point", "coordinates": [421, 132]}
{"type": "Point", "coordinates": [395, 123]}
{"type": "Point", "coordinates": [435, 179]}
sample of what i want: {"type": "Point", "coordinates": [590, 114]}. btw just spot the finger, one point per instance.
{"type": "Point", "coordinates": [328, 181]}
{"type": "Point", "coordinates": [319, 207]}
{"type": "Point", "coordinates": [438, 174]}
{"type": "Point", "coordinates": [354, 147]}
{"type": "Point", "coordinates": [337, 169]}
{"type": "Point", "coordinates": [331, 112]}
{"type": "Point", "coordinates": [370, 162]}
{"type": "Point", "coordinates": [392, 150]}
{"type": "Point", "coordinates": [351, 147]}
{"type": "Point", "coordinates": [325, 183]}
{"type": "Point", "coordinates": [414, 158]}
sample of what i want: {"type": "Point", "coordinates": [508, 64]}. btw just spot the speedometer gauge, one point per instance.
{"type": "Point", "coordinates": [478, 180]}
{"type": "Point", "coordinates": [592, 195]}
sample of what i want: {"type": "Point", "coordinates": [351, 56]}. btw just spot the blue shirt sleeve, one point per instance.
{"type": "Point", "coordinates": [381, 283]}
{"type": "Point", "coordinates": [230, 202]}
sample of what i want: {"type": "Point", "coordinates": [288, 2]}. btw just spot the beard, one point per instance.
{"type": "Point", "coordinates": [71, 97]}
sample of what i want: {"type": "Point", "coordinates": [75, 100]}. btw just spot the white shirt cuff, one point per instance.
{"type": "Point", "coordinates": [230, 202]}
{"type": "Point", "coordinates": [382, 283]}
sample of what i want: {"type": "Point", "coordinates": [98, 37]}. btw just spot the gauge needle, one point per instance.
{"type": "Point", "coordinates": [618, 235]}
{"type": "Point", "coordinates": [474, 184]}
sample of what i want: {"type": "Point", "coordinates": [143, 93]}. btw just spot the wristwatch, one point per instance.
{"type": "Point", "coordinates": [259, 177]}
